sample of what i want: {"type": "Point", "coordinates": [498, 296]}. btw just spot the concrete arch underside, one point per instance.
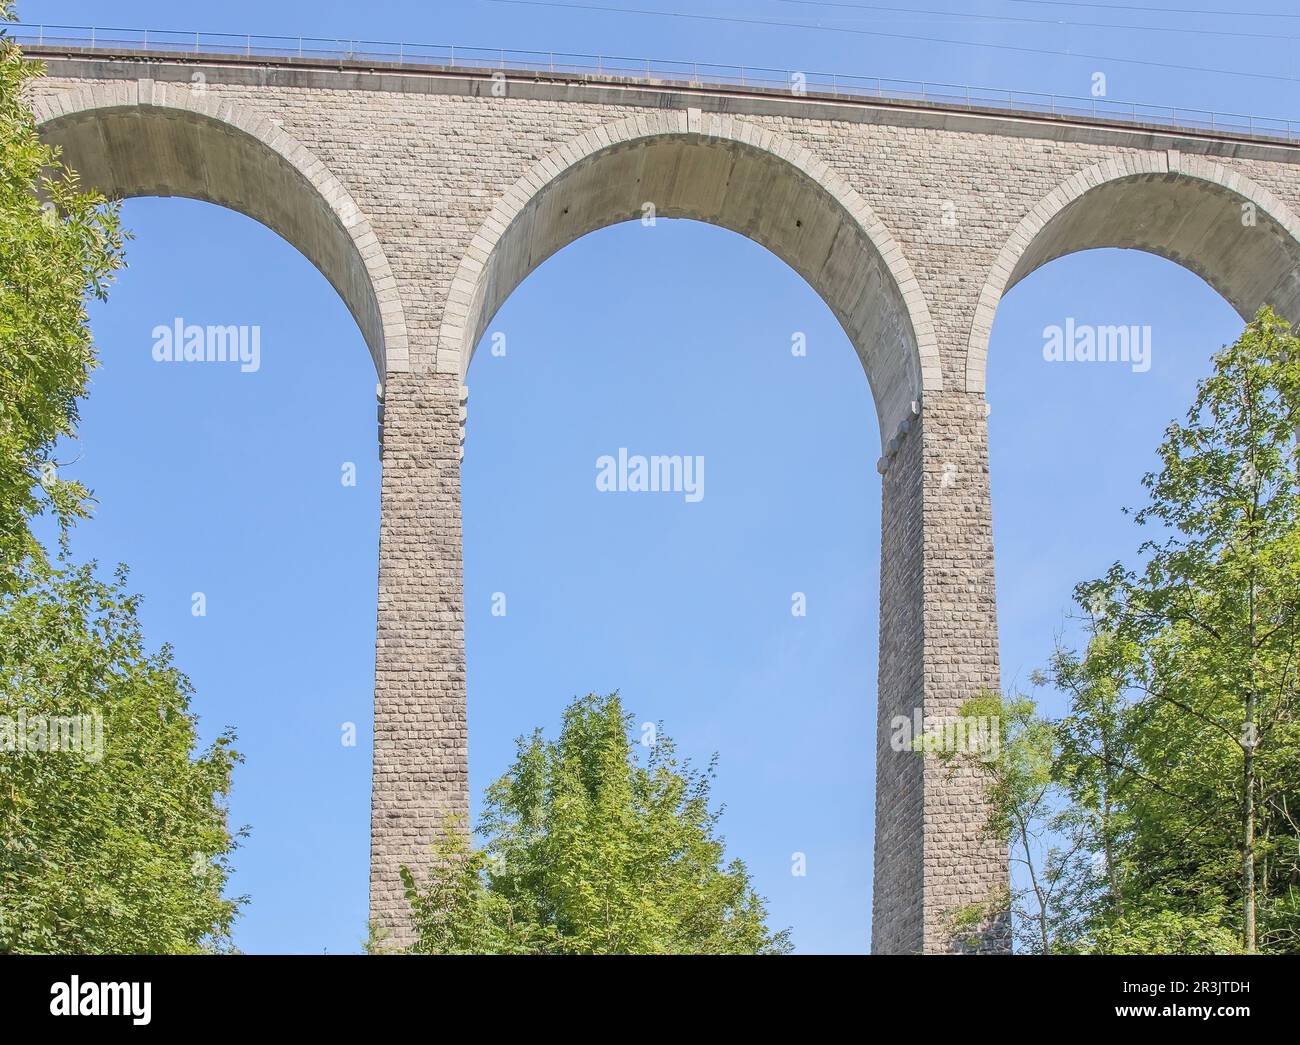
{"type": "Point", "coordinates": [151, 139]}
{"type": "Point", "coordinates": [1233, 233]}
{"type": "Point", "coordinates": [724, 172]}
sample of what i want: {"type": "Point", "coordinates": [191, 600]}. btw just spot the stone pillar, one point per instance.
{"type": "Point", "coordinates": [896, 900]}
{"type": "Point", "coordinates": [421, 745]}
{"type": "Point", "coordinates": [938, 648]}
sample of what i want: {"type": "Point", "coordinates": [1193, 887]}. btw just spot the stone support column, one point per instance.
{"type": "Point", "coordinates": [421, 740]}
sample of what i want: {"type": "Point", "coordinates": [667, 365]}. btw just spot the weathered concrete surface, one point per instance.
{"type": "Point", "coordinates": [426, 196]}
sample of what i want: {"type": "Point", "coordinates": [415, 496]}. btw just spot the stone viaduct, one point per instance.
{"type": "Point", "coordinates": [425, 195]}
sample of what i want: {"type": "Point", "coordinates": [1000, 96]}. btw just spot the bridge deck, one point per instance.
{"type": "Point", "coordinates": [444, 61]}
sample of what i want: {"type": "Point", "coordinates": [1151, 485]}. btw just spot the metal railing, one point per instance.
{"type": "Point", "coordinates": [646, 70]}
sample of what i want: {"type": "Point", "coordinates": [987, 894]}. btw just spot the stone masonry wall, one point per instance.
{"type": "Point", "coordinates": [421, 739]}
{"type": "Point", "coordinates": [898, 876]}
{"type": "Point", "coordinates": [962, 864]}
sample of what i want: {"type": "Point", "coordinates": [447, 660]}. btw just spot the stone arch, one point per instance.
{"type": "Point", "coordinates": [1188, 209]}
{"type": "Point", "coordinates": [726, 172]}
{"type": "Point", "coordinates": [148, 138]}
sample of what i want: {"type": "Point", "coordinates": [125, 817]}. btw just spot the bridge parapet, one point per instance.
{"type": "Point", "coordinates": [340, 53]}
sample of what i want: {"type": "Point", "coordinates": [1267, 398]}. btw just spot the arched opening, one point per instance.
{"type": "Point", "coordinates": [1092, 357]}
{"type": "Point", "coordinates": [723, 172]}
{"type": "Point", "coordinates": [152, 139]}
{"type": "Point", "coordinates": [686, 607]}
{"type": "Point", "coordinates": [233, 484]}
{"type": "Point", "coordinates": [1214, 223]}
{"type": "Point", "coordinates": [718, 171]}
{"type": "Point", "coordinates": [1069, 441]}
{"type": "Point", "coordinates": [1230, 231]}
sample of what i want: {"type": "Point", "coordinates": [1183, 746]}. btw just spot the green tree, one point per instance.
{"type": "Point", "coordinates": [456, 913]}
{"type": "Point", "coordinates": [590, 850]}
{"type": "Point", "coordinates": [1159, 815]}
{"type": "Point", "coordinates": [113, 837]}
{"type": "Point", "coordinates": [58, 246]}
{"type": "Point", "coordinates": [1181, 746]}
{"type": "Point", "coordinates": [1094, 738]}
{"type": "Point", "coordinates": [1215, 618]}
{"type": "Point", "coordinates": [117, 842]}
{"type": "Point", "coordinates": [1143, 897]}
{"type": "Point", "coordinates": [1046, 838]}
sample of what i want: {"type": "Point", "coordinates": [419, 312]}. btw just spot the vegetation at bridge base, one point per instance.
{"type": "Point", "coordinates": [1161, 813]}
{"type": "Point", "coordinates": [121, 844]}
{"type": "Point", "coordinates": [592, 850]}
{"type": "Point", "coordinates": [121, 850]}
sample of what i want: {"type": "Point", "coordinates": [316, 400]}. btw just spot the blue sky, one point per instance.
{"type": "Point", "coordinates": [229, 484]}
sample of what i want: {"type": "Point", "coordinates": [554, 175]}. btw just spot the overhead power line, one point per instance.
{"type": "Point", "coordinates": [1025, 20]}
{"type": "Point", "coordinates": [1156, 10]}
{"type": "Point", "coordinates": [899, 36]}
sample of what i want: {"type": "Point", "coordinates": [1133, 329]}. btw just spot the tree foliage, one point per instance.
{"type": "Point", "coordinates": [590, 850]}
{"type": "Point", "coordinates": [1205, 638]}
{"type": "Point", "coordinates": [113, 839]}
{"type": "Point", "coordinates": [1046, 839]}
{"type": "Point", "coordinates": [1167, 796]}
{"type": "Point", "coordinates": [120, 850]}
{"type": "Point", "coordinates": [58, 246]}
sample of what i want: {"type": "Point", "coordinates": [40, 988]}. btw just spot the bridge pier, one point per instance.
{"type": "Point", "coordinates": [421, 739]}
{"type": "Point", "coordinates": [938, 648]}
